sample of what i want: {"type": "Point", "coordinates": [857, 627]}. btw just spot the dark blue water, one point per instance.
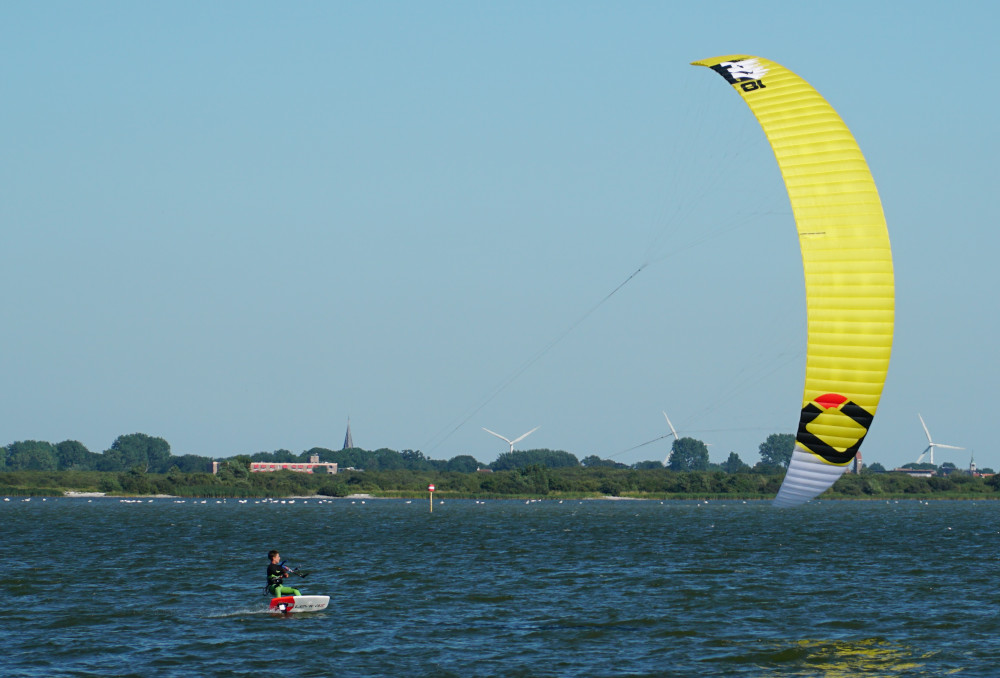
{"type": "Point", "coordinates": [502, 588]}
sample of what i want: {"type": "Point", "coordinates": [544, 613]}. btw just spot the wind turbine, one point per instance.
{"type": "Point", "coordinates": [673, 432]}
{"type": "Point", "coordinates": [515, 440]}
{"type": "Point", "coordinates": [931, 444]}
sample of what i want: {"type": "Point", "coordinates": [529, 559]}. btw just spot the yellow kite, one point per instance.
{"type": "Point", "coordinates": [847, 263]}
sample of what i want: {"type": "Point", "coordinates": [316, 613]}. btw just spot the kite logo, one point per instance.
{"type": "Point", "coordinates": [838, 413]}
{"type": "Point", "coordinates": [747, 73]}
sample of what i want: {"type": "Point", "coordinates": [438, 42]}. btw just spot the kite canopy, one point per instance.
{"type": "Point", "coordinates": [847, 263]}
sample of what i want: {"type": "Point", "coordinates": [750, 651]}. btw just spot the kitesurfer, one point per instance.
{"type": "Point", "coordinates": [276, 574]}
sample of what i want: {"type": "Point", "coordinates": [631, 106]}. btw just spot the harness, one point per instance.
{"type": "Point", "coordinates": [274, 580]}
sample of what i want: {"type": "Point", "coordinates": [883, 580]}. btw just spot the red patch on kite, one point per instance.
{"type": "Point", "coordinates": [831, 400]}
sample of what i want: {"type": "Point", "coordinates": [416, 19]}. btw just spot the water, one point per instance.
{"type": "Point", "coordinates": [594, 588]}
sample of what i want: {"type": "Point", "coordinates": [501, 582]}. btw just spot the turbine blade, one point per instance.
{"type": "Point", "coordinates": [497, 435]}
{"type": "Point", "coordinates": [672, 429]}
{"type": "Point", "coordinates": [925, 427]}
{"type": "Point", "coordinates": [948, 447]}
{"type": "Point", "coordinates": [517, 440]}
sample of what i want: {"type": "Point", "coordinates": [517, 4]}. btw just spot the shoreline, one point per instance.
{"type": "Point", "coordinates": [72, 494]}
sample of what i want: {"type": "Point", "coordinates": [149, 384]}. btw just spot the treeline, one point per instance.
{"type": "Point", "coordinates": [139, 464]}
{"type": "Point", "coordinates": [536, 481]}
{"type": "Point", "coordinates": [566, 480]}
{"type": "Point", "coordinates": [135, 450]}
{"type": "Point", "coordinates": [152, 455]}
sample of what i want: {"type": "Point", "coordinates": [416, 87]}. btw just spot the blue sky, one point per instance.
{"type": "Point", "coordinates": [235, 225]}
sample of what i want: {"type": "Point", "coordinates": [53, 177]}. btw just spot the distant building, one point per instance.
{"type": "Point", "coordinates": [313, 466]}
{"type": "Point", "coordinates": [916, 472]}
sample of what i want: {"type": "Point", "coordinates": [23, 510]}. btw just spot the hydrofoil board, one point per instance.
{"type": "Point", "coordinates": [288, 604]}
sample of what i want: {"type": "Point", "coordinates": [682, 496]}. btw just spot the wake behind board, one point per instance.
{"type": "Point", "coordinates": [288, 604]}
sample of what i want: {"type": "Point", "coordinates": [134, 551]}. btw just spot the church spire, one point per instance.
{"type": "Point", "coordinates": [348, 441]}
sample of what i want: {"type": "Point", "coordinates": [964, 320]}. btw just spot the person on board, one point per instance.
{"type": "Point", "coordinates": [276, 575]}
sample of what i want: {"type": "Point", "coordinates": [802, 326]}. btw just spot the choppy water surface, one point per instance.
{"type": "Point", "coordinates": [502, 588]}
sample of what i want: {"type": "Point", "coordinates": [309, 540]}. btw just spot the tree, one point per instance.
{"type": "Point", "coordinates": [134, 481]}
{"type": "Point", "coordinates": [875, 468]}
{"type": "Point", "coordinates": [175, 475]}
{"type": "Point", "coordinates": [734, 464]}
{"type": "Point", "coordinates": [688, 454]}
{"type": "Point", "coordinates": [72, 454]}
{"type": "Point", "coordinates": [760, 468]}
{"type": "Point", "coordinates": [940, 484]}
{"type": "Point", "coordinates": [852, 485]}
{"type": "Point", "coordinates": [324, 454]}
{"type": "Point", "coordinates": [31, 455]}
{"type": "Point", "coordinates": [593, 461]}
{"type": "Point", "coordinates": [646, 465]}
{"type": "Point", "coordinates": [111, 460]}
{"type": "Point", "coordinates": [613, 486]}
{"type": "Point", "coordinates": [192, 463]}
{"type": "Point", "coordinates": [521, 459]}
{"type": "Point", "coordinates": [334, 488]}
{"type": "Point", "coordinates": [777, 449]}
{"type": "Point", "coordinates": [415, 460]}
{"type": "Point", "coordinates": [243, 460]}
{"type": "Point", "coordinates": [139, 449]}
{"type": "Point", "coordinates": [463, 463]}
{"type": "Point", "coordinates": [536, 479]}
{"type": "Point", "coordinates": [386, 459]}
{"type": "Point", "coordinates": [109, 484]}
{"type": "Point", "coordinates": [235, 468]}
{"type": "Point", "coordinates": [282, 456]}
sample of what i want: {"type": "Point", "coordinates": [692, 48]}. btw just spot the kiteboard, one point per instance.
{"type": "Point", "coordinates": [286, 604]}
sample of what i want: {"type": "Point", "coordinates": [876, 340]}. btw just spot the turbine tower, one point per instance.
{"type": "Point", "coordinates": [931, 444]}
{"type": "Point", "coordinates": [515, 440]}
{"type": "Point", "coordinates": [673, 432]}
